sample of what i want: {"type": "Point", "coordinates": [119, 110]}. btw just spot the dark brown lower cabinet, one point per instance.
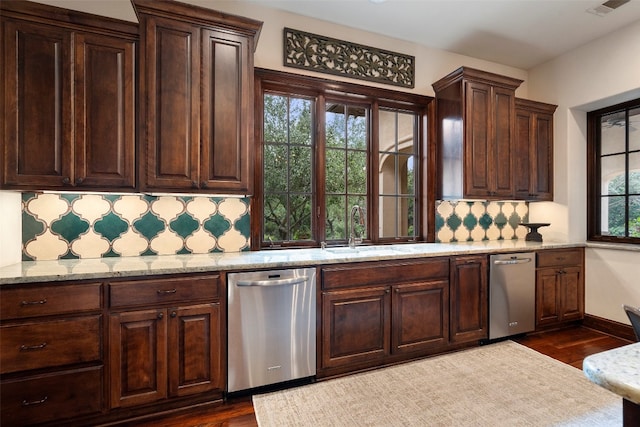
{"type": "Point", "coordinates": [164, 353]}
{"type": "Point", "coordinates": [379, 312]}
{"type": "Point", "coordinates": [357, 322]}
{"type": "Point", "coordinates": [166, 341]}
{"type": "Point", "coordinates": [138, 347]}
{"type": "Point", "coordinates": [90, 353]}
{"type": "Point", "coordinates": [559, 287]}
{"type": "Point", "coordinates": [420, 316]}
{"type": "Point", "coordinates": [51, 353]}
{"type": "Point", "coordinates": [51, 397]}
{"type": "Point", "coordinates": [469, 299]}
{"type": "Point", "coordinates": [194, 350]}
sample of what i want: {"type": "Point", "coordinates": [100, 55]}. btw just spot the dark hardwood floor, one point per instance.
{"type": "Point", "coordinates": [569, 345]}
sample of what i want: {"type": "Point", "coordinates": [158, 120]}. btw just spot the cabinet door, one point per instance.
{"type": "Point", "coordinates": [105, 111]}
{"type": "Point", "coordinates": [194, 345]}
{"type": "Point", "coordinates": [420, 316]}
{"type": "Point", "coordinates": [489, 129]}
{"type": "Point", "coordinates": [37, 116]}
{"type": "Point", "coordinates": [469, 299]}
{"type": "Point", "coordinates": [477, 140]}
{"type": "Point", "coordinates": [522, 154]}
{"type": "Point", "coordinates": [542, 155]}
{"type": "Point", "coordinates": [171, 89]}
{"type": "Point", "coordinates": [500, 158]}
{"type": "Point", "coordinates": [547, 297]}
{"type": "Point", "coordinates": [227, 109]}
{"type": "Point", "coordinates": [572, 293]}
{"type": "Point", "coordinates": [138, 362]}
{"type": "Point", "coordinates": [533, 156]}
{"type": "Point", "coordinates": [355, 326]}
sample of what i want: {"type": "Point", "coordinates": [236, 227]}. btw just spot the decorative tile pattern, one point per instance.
{"type": "Point", "coordinates": [73, 226]}
{"type": "Point", "coordinates": [475, 221]}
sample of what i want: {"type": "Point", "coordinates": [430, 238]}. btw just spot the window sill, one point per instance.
{"type": "Point", "coordinates": [631, 247]}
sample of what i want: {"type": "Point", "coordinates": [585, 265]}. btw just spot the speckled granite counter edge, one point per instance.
{"type": "Point", "coordinates": [104, 268]}
{"type": "Point", "coordinates": [617, 370]}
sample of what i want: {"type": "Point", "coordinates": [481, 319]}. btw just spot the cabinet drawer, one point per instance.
{"type": "Point", "coordinates": [159, 291]}
{"type": "Point", "coordinates": [53, 343]}
{"type": "Point", "coordinates": [553, 258]}
{"type": "Point", "coordinates": [32, 301]}
{"type": "Point", "coordinates": [35, 400]}
{"type": "Point", "coordinates": [371, 273]}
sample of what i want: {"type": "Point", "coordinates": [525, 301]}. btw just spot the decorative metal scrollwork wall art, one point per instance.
{"type": "Point", "coordinates": [327, 55]}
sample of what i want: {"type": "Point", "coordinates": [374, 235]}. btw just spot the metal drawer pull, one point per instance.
{"type": "Point", "coordinates": [167, 291]}
{"type": "Point", "coordinates": [42, 301]}
{"type": "Point", "coordinates": [33, 347]}
{"type": "Point", "coordinates": [34, 402]}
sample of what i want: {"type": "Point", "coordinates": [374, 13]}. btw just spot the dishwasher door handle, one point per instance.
{"type": "Point", "coordinates": [278, 282]}
{"type": "Point", "coordinates": [512, 261]}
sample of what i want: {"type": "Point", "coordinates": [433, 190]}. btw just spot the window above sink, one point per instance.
{"type": "Point", "coordinates": [324, 151]}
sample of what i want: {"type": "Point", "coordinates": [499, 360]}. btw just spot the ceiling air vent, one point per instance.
{"type": "Point", "coordinates": [607, 7]}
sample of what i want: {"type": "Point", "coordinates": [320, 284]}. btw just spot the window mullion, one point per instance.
{"type": "Point", "coordinates": [319, 224]}
{"type": "Point", "coordinates": [627, 187]}
{"type": "Point", "coordinates": [373, 160]}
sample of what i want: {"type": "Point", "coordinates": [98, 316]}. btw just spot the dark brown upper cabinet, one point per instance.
{"type": "Point", "coordinates": [196, 87]}
{"type": "Point", "coordinates": [476, 128]}
{"type": "Point", "coordinates": [68, 96]}
{"type": "Point", "coordinates": [533, 168]}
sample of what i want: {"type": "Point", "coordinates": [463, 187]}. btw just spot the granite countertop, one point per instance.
{"type": "Point", "coordinates": [617, 370]}
{"type": "Point", "coordinates": [79, 269]}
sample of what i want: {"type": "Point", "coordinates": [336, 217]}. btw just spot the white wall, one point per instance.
{"type": "Point", "coordinates": [603, 72]}
{"type": "Point", "coordinates": [431, 64]}
{"type": "Point", "coordinates": [613, 279]}
{"type": "Point", "coordinates": [10, 228]}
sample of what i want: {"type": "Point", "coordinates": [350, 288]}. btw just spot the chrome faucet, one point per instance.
{"type": "Point", "coordinates": [362, 220]}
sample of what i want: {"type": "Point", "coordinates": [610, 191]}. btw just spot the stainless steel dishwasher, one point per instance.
{"type": "Point", "coordinates": [271, 327]}
{"type": "Point", "coordinates": [512, 294]}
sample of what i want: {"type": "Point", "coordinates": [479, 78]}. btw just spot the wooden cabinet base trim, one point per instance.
{"type": "Point", "coordinates": [610, 327]}
{"type": "Point", "coordinates": [148, 413]}
{"type": "Point", "coordinates": [326, 374]}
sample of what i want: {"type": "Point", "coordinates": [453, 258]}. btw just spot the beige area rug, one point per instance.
{"type": "Point", "coordinates": [501, 384]}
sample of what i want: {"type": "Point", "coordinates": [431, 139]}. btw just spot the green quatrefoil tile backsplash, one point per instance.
{"type": "Point", "coordinates": [475, 221]}
{"type": "Point", "coordinates": [70, 226]}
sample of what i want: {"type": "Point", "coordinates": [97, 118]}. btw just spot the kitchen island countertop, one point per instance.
{"type": "Point", "coordinates": [100, 268]}
{"type": "Point", "coordinates": [617, 370]}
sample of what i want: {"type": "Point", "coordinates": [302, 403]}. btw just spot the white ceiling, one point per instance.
{"type": "Point", "coordinates": [518, 33]}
